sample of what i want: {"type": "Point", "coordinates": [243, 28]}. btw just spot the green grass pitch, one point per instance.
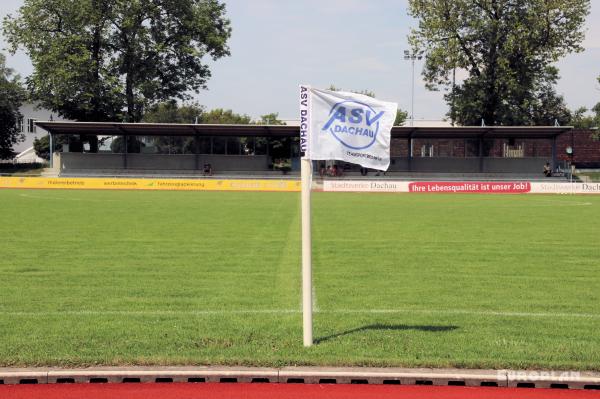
{"type": "Point", "coordinates": [170, 278]}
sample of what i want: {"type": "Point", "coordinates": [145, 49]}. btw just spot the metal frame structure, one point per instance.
{"type": "Point", "coordinates": [408, 133]}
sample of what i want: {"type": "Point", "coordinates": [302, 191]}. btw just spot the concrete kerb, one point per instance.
{"type": "Point", "coordinates": [164, 374]}
{"type": "Point", "coordinates": [401, 376]}
{"type": "Point", "coordinates": [553, 379]}
{"type": "Point", "coordinates": [23, 376]}
{"type": "Point", "coordinates": [305, 375]}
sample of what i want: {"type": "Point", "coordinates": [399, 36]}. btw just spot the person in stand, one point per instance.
{"type": "Point", "coordinates": [334, 171]}
{"type": "Point", "coordinates": [364, 171]}
{"type": "Point", "coordinates": [547, 170]}
{"type": "Point", "coordinates": [207, 169]}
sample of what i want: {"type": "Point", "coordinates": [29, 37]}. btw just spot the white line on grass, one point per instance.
{"type": "Point", "coordinates": [529, 200]}
{"type": "Point", "coordinates": [469, 312]}
{"type": "Point", "coordinates": [151, 312]}
{"type": "Point", "coordinates": [564, 203]}
{"type": "Point", "coordinates": [296, 311]}
{"type": "Point", "coordinates": [67, 199]}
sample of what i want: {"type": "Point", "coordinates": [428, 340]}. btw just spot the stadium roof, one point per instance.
{"type": "Point", "coordinates": [177, 129]}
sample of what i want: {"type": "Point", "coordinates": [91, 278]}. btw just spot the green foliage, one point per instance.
{"type": "Point", "coordinates": [364, 92]}
{"type": "Point", "coordinates": [12, 96]}
{"type": "Point", "coordinates": [582, 120]}
{"type": "Point", "coordinates": [507, 49]}
{"type": "Point", "coordinates": [400, 117]}
{"type": "Point", "coordinates": [42, 147]}
{"type": "Point", "coordinates": [279, 148]}
{"type": "Point", "coordinates": [171, 112]}
{"type": "Point", "coordinates": [108, 60]}
{"type": "Point", "coordinates": [22, 169]}
{"type": "Point", "coordinates": [270, 119]}
{"type": "Point", "coordinates": [225, 117]}
{"type": "Point", "coordinates": [134, 145]}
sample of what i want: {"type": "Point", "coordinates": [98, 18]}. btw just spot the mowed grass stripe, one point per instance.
{"type": "Point", "coordinates": [93, 277]}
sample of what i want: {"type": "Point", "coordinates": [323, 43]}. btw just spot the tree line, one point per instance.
{"type": "Point", "coordinates": [142, 60]}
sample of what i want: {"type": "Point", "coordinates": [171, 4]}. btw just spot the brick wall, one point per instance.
{"type": "Point", "coordinates": [586, 150]}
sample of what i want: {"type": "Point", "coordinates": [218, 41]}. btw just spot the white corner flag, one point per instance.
{"type": "Point", "coordinates": [342, 126]}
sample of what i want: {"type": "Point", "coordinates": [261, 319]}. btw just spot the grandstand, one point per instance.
{"type": "Point", "coordinates": [175, 150]}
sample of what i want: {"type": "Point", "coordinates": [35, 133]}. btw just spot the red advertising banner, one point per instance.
{"type": "Point", "coordinates": [504, 187]}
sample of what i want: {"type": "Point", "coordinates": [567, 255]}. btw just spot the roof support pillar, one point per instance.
{"type": "Point", "coordinates": [480, 154]}
{"type": "Point", "coordinates": [410, 152]}
{"type": "Point", "coordinates": [554, 163]}
{"type": "Point", "coordinates": [125, 138]}
{"type": "Point", "coordinates": [51, 149]}
{"type": "Point", "coordinates": [197, 152]}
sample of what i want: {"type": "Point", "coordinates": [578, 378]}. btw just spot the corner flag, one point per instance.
{"type": "Point", "coordinates": [345, 126]}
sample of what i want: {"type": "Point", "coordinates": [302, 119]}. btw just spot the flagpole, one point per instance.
{"type": "Point", "coordinates": [306, 180]}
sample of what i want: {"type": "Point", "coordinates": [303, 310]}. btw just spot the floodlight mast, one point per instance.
{"type": "Point", "coordinates": [412, 57]}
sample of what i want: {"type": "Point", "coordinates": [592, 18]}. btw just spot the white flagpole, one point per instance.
{"type": "Point", "coordinates": [306, 181]}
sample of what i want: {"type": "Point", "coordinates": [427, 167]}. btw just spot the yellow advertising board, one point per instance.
{"type": "Point", "coordinates": [90, 183]}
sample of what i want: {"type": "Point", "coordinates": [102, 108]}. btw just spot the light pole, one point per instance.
{"type": "Point", "coordinates": [412, 57]}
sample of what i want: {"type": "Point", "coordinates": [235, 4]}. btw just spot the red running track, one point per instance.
{"type": "Point", "coordinates": [284, 391]}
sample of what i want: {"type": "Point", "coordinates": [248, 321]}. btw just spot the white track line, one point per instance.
{"type": "Point", "coordinates": [296, 311]}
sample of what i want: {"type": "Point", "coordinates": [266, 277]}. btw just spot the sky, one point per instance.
{"type": "Point", "coordinates": [353, 44]}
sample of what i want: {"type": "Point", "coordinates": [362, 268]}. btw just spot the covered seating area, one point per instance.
{"type": "Point", "coordinates": [185, 149]}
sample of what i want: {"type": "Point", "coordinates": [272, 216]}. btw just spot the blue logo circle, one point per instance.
{"type": "Point", "coordinates": [354, 124]}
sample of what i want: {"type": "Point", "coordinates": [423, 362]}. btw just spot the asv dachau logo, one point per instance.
{"type": "Point", "coordinates": [354, 124]}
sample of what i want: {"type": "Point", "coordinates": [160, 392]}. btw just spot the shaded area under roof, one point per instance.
{"type": "Point", "coordinates": [176, 129]}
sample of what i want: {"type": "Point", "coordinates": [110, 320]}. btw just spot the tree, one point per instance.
{"type": "Point", "coordinates": [400, 117]}
{"type": "Point", "coordinates": [271, 119]}
{"type": "Point", "coordinates": [41, 147]}
{"type": "Point", "coordinates": [12, 96]}
{"type": "Point", "coordinates": [225, 117]}
{"type": "Point", "coordinates": [364, 92]}
{"type": "Point", "coordinates": [109, 60]}
{"type": "Point", "coordinates": [506, 47]}
{"type": "Point", "coordinates": [280, 149]}
{"type": "Point", "coordinates": [171, 112]}
{"type": "Point", "coordinates": [581, 120]}
{"type": "Point", "coordinates": [134, 145]}
{"type": "Point", "coordinates": [547, 108]}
